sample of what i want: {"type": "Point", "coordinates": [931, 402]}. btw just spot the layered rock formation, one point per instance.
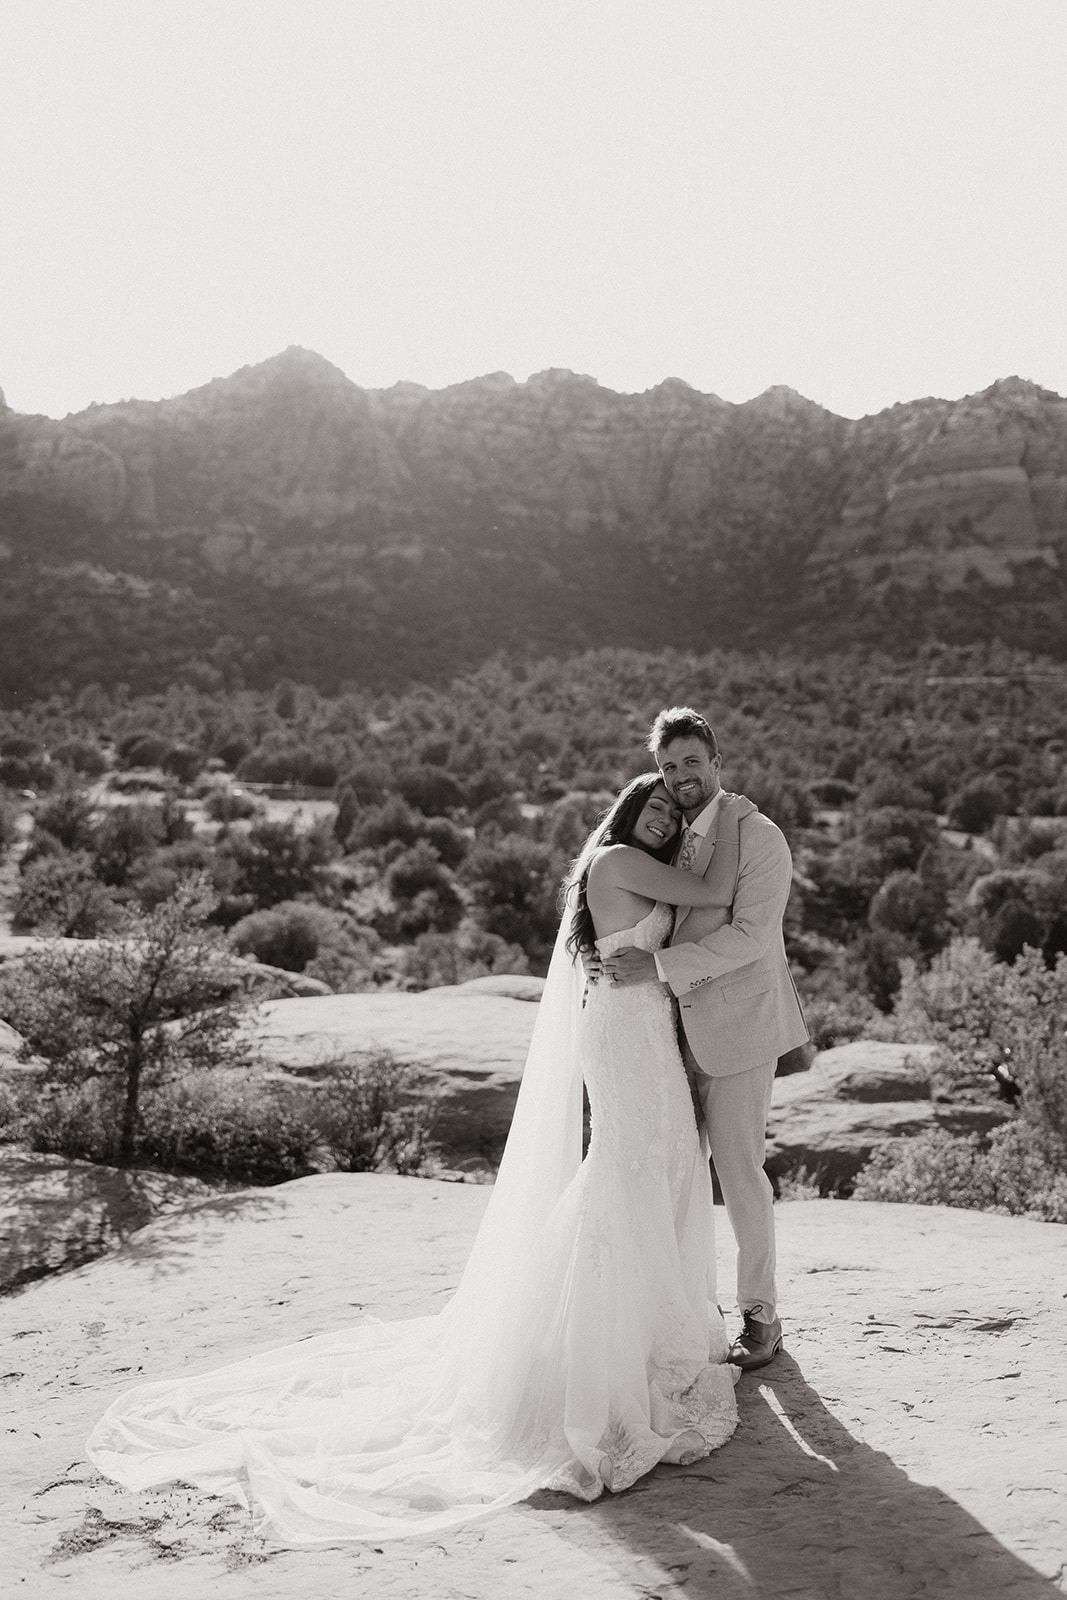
{"type": "Point", "coordinates": [351, 528]}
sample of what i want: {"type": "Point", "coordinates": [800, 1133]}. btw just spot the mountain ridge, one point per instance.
{"type": "Point", "coordinates": [542, 515]}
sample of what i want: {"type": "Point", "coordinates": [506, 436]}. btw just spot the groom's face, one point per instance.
{"type": "Point", "coordinates": [690, 772]}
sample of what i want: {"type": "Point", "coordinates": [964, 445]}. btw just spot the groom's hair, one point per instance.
{"type": "Point", "coordinates": [681, 722]}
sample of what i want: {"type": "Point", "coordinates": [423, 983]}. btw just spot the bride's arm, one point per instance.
{"type": "Point", "coordinates": [622, 866]}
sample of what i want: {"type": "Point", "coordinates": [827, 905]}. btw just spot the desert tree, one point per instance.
{"type": "Point", "coordinates": [162, 1000]}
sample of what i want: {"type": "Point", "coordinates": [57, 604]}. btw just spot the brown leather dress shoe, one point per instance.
{"type": "Point", "coordinates": [756, 1344]}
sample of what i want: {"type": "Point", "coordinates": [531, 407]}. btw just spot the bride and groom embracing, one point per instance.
{"type": "Point", "coordinates": [583, 1344]}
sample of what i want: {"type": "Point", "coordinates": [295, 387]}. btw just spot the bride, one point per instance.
{"type": "Point", "coordinates": [582, 1345]}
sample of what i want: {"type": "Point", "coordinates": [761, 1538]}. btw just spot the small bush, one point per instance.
{"type": "Point", "coordinates": [67, 815]}
{"type": "Point", "coordinates": [432, 790]}
{"type": "Point", "coordinates": [284, 936]}
{"type": "Point", "coordinates": [1008, 1173]}
{"type": "Point", "coordinates": [436, 959]}
{"type": "Point", "coordinates": [60, 896]}
{"type": "Point", "coordinates": [799, 1184]}
{"type": "Point", "coordinates": [236, 1129]}
{"type": "Point", "coordinates": [838, 1021]}
{"type": "Point", "coordinates": [143, 749]}
{"type": "Point", "coordinates": [278, 861]}
{"type": "Point", "coordinates": [374, 1115]}
{"type": "Point", "coordinates": [424, 894]}
{"type": "Point", "coordinates": [302, 936]}
{"type": "Point", "coordinates": [80, 755]}
{"type": "Point", "coordinates": [370, 1115]}
{"type": "Point", "coordinates": [229, 805]}
{"type": "Point", "coordinates": [975, 807]}
{"type": "Point", "coordinates": [80, 1121]}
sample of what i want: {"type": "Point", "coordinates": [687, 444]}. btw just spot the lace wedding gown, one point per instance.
{"type": "Point", "coordinates": [582, 1345]}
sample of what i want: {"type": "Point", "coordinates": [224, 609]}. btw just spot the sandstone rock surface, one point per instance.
{"type": "Point", "coordinates": [55, 1214]}
{"type": "Point", "coordinates": [908, 1442]}
{"type": "Point", "coordinates": [470, 1044]}
{"type": "Point", "coordinates": [853, 1098]}
{"type": "Point", "coordinates": [15, 946]}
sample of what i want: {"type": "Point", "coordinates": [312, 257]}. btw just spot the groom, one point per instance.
{"type": "Point", "coordinates": [738, 1005]}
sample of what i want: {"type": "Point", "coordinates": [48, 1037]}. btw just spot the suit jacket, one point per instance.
{"type": "Point", "coordinates": [736, 996]}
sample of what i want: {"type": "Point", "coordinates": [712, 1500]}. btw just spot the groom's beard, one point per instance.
{"type": "Point", "coordinates": [692, 811]}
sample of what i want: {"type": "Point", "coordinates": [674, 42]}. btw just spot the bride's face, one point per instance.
{"type": "Point", "coordinates": [659, 821]}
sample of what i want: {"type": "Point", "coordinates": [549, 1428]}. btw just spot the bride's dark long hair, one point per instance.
{"type": "Point", "coordinates": [614, 826]}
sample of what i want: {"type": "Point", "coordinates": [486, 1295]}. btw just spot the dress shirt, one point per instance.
{"type": "Point", "coordinates": [701, 825]}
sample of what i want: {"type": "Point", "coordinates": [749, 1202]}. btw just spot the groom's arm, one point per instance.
{"type": "Point", "coordinates": [763, 885]}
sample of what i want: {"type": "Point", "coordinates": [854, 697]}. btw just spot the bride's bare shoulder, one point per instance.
{"type": "Point", "coordinates": [605, 860]}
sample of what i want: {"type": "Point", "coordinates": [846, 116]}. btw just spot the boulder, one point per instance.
{"type": "Point", "coordinates": [830, 1119]}
{"type": "Point", "coordinates": [512, 987]}
{"type": "Point", "coordinates": [468, 1043]}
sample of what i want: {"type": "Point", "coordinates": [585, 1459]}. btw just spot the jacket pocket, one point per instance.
{"type": "Point", "coordinates": [747, 988]}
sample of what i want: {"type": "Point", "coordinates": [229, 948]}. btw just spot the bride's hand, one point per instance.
{"type": "Point", "coordinates": [593, 966]}
{"type": "Point", "coordinates": [631, 966]}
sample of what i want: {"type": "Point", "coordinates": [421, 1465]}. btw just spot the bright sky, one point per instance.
{"type": "Point", "coordinates": [862, 199]}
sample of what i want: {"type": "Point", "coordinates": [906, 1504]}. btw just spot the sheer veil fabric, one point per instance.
{"type": "Point", "coordinates": [388, 1429]}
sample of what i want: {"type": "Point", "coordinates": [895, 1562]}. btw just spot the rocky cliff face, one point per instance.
{"type": "Point", "coordinates": [551, 513]}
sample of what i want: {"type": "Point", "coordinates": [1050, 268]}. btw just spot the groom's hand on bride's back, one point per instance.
{"type": "Point", "coordinates": [631, 966]}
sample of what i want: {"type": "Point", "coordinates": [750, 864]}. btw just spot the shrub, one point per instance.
{"type": "Point", "coordinates": [68, 817]}
{"type": "Point", "coordinates": [125, 836]}
{"type": "Point", "coordinates": [899, 836]}
{"type": "Point", "coordinates": [432, 790]}
{"type": "Point", "coordinates": [80, 755]}
{"type": "Point", "coordinates": [156, 877]}
{"type": "Point", "coordinates": [833, 792]}
{"type": "Point", "coordinates": [375, 1114]}
{"type": "Point", "coordinates": [135, 1012]}
{"type": "Point", "coordinates": [834, 1021]}
{"type": "Point", "coordinates": [424, 893]}
{"type": "Point", "coordinates": [975, 807]}
{"type": "Point", "coordinates": [514, 883]}
{"type": "Point", "coordinates": [370, 1115]}
{"type": "Point", "coordinates": [25, 764]}
{"type": "Point", "coordinates": [287, 935]}
{"type": "Point", "coordinates": [986, 1015]}
{"type": "Point", "coordinates": [79, 1121]}
{"type": "Point", "coordinates": [1005, 1174]}
{"type": "Point", "coordinates": [988, 1018]}
{"type": "Point", "coordinates": [276, 861]}
{"type": "Point", "coordinates": [368, 783]}
{"type": "Point", "coordinates": [437, 959]}
{"type": "Point", "coordinates": [229, 805]}
{"type": "Point", "coordinates": [143, 749]}
{"type": "Point", "coordinates": [238, 1129]}
{"type": "Point", "coordinates": [910, 905]}
{"type": "Point", "coordinates": [61, 896]}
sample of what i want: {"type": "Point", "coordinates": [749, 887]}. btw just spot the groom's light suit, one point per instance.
{"type": "Point", "coordinates": [739, 1012]}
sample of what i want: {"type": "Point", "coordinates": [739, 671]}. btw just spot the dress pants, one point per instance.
{"type": "Point", "coordinates": [736, 1108]}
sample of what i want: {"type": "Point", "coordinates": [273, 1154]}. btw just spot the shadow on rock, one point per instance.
{"type": "Point", "coordinates": [795, 1506]}
{"type": "Point", "coordinates": [57, 1214]}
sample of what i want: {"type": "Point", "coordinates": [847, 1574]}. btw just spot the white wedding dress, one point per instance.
{"type": "Point", "coordinates": [582, 1345]}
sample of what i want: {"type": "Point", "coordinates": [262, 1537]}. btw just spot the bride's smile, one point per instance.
{"type": "Point", "coordinates": [658, 822]}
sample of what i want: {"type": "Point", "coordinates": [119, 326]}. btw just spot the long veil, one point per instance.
{"type": "Point", "coordinates": [387, 1429]}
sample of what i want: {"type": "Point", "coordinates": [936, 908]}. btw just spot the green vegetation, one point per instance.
{"type": "Point", "coordinates": [925, 802]}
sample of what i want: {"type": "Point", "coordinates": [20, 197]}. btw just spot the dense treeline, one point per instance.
{"type": "Point", "coordinates": [923, 801]}
{"type": "Point", "coordinates": [416, 839]}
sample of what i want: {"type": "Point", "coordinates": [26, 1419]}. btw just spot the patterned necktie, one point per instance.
{"type": "Point", "coordinates": [687, 854]}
